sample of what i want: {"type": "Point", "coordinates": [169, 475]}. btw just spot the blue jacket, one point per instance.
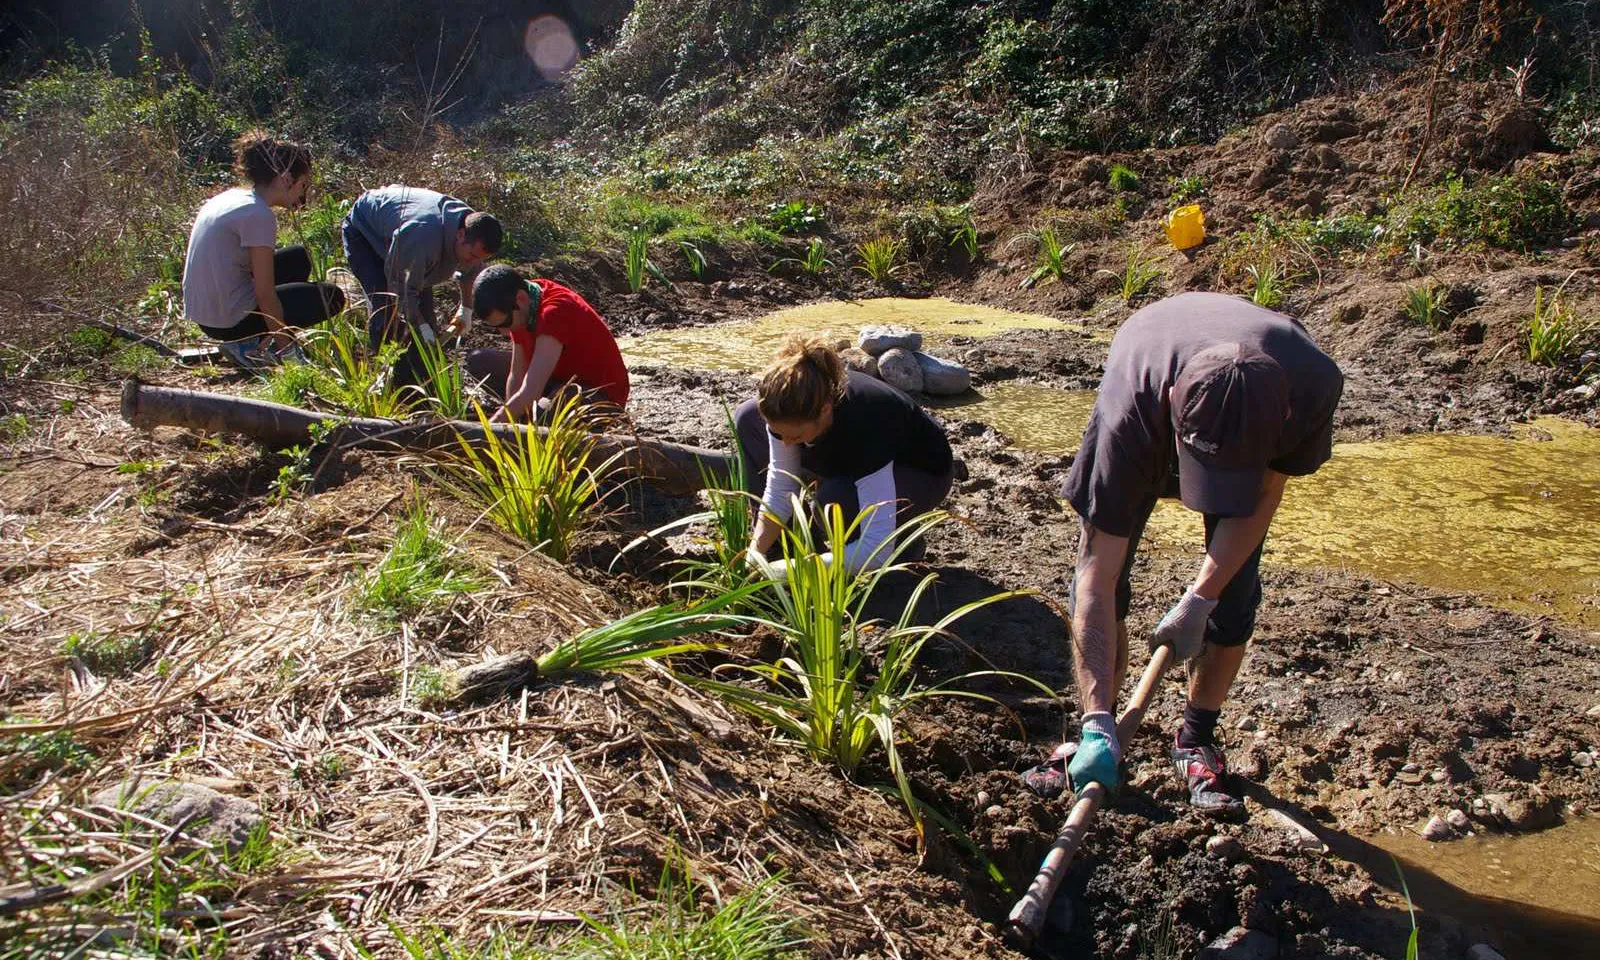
{"type": "Point", "coordinates": [415, 231]}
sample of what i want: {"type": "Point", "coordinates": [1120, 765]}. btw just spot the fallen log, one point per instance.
{"type": "Point", "coordinates": [675, 467]}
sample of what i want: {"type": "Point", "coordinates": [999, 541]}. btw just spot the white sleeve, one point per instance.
{"type": "Point", "coordinates": [783, 480]}
{"type": "Point", "coordinates": [879, 504]}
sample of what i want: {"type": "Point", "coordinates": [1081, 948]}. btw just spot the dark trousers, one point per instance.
{"type": "Point", "coordinates": [918, 491]}
{"type": "Point", "coordinates": [1234, 619]}
{"type": "Point", "coordinates": [491, 367]}
{"type": "Point", "coordinates": [383, 323]}
{"type": "Point", "coordinates": [305, 304]}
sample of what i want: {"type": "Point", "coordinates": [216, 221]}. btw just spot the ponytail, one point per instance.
{"type": "Point", "coordinates": [806, 376]}
{"type": "Point", "coordinates": [260, 159]}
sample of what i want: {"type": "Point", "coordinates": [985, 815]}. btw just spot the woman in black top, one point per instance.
{"type": "Point", "coordinates": [862, 441]}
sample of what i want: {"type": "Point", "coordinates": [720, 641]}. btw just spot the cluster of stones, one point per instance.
{"type": "Point", "coordinates": [894, 355]}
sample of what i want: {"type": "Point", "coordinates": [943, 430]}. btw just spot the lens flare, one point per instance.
{"type": "Point", "coordinates": [551, 46]}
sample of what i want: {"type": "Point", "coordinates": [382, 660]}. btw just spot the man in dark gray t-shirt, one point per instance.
{"type": "Point", "coordinates": [1216, 401]}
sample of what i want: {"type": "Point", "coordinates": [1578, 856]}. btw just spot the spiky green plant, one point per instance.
{"type": "Point", "coordinates": [421, 570]}
{"type": "Point", "coordinates": [653, 633]}
{"type": "Point", "coordinates": [1122, 179]}
{"type": "Point", "coordinates": [346, 374]}
{"type": "Point", "coordinates": [444, 387]}
{"type": "Point", "coordinates": [813, 264]}
{"type": "Point", "coordinates": [636, 261]}
{"type": "Point", "coordinates": [1554, 331]}
{"type": "Point", "coordinates": [1426, 305]}
{"type": "Point", "coordinates": [1139, 273]}
{"type": "Point", "coordinates": [539, 486]}
{"type": "Point", "coordinates": [1051, 266]}
{"type": "Point", "coordinates": [844, 679]}
{"type": "Point", "coordinates": [880, 258]}
{"type": "Point", "coordinates": [964, 232]}
{"type": "Point", "coordinates": [1270, 283]}
{"type": "Point", "coordinates": [695, 257]}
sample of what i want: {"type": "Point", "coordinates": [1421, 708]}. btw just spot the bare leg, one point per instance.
{"type": "Point", "coordinates": [1122, 659]}
{"type": "Point", "coordinates": [1212, 674]}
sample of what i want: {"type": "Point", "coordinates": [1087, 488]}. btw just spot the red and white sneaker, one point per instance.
{"type": "Point", "coordinates": [1205, 772]}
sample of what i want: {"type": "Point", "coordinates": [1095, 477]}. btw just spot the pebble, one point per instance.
{"type": "Point", "coordinates": [1582, 759]}
{"type": "Point", "coordinates": [1302, 835]}
{"type": "Point", "coordinates": [1247, 724]}
{"type": "Point", "coordinates": [1410, 768]}
{"type": "Point", "coordinates": [1483, 951]}
{"type": "Point", "coordinates": [983, 798]}
{"type": "Point", "coordinates": [1439, 776]}
{"type": "Point", "coordinates": [1241, 943]}
{"type": "Point", "coordinates": [1593, 711]}
{"type": "Point", "coordinates": [1436, 829]}
{"type": "Point", "coordinates": [995, 812]}
{"type": "Point", "coordinates": [1224, 848]}
{"type": "Point", "coordinates": [1458, 819]}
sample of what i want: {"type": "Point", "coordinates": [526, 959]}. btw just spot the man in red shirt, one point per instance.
{"type": "Point", "coordinates": [556, 339]}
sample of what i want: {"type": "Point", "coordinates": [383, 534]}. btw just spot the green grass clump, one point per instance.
{"type": "Point", "coordinates": [1512, 213]}
{"type": "Point", "coordinates": [1140, 271]}
{"type": "Point", "coordinates": [843, 680]}
{"type": "Point", "coordinates": [135, 360]}
{"type": "Point", "coordinates": [1425, 305]}
{"type": "Point", "coordinates": [795, 218]}
{"type": "Point", "coordinates": [111, 655]}
{"type": "Point", "coordinates": [14, 428]}
{"type": "Point", "coordinates": [1051, 266]}
{"type": "Point", "coordinates": [445, 380]}
{"type": "Point", "coordinates": [1122, 179]}
{"type": "Point", "coordinates": [881, 258]}
{"type": "Point", "coordinates": [539, 487]}
{"type": "Point", "coordinates": [814, 264]}
{"type": "Point", "coordinates": [1555, 332]}
{"type": "Point", "coordinates": [24, 756]}
{"type": "Point", "coordinates": [341, 372]}
{"type": "Point", "coordinates": [422, 570]}
{"type": "Point", "coordinates": [1269, 283]}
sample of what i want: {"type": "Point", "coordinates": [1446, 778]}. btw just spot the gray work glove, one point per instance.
{"type": "Point", "coordinates": [1184, 627]}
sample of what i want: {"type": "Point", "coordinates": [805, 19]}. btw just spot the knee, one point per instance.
{"type": "Point", "coordinates": [841, 491]}
{"type": "Point", "coordinates": [1233, 621]}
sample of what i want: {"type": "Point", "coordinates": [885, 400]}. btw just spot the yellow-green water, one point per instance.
{"type": "Point", "coordinates": [1514, 519]}
{"type": "Point", "coordinates": [1045, 419]}
{"type": "Point", "coordinates": [748, 345]}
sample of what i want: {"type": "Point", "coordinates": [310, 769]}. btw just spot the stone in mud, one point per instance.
{"type": "Point", "coordinates": [1437, 828]}
{"type": "Point", "coordinates": [860, 361]}
{"type": "Point", "coordinates": [202, 812]}
{"type": "Point", "coordinates": [1582, 758]}
{"type": "Point", "coordinates": [878, 340]}
{"type": "Point", "coordinates": [1301, 835]}
{"type": "Point", "coordinates": [1224, 848]}
{"type": "Point", "coordinates": [1482, 951]}
{"type": "Point", "coordinates": [899, 368]}
{"type": "Point", "coordinates": [1281, 137]}
{"type": "Point", "coordinates": [1458, 819]}
{"type": "Point", "coordinates": [941, 378]}
{"type": "Point", "coordinates": [1241, 943]}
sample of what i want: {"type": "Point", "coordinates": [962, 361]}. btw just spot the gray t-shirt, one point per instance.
{"type": "Point", "coordinates": [218, 288]}
{"type": "Point", "coordinates": [414, 230]}
{"type": "Point", "coordinates": [1129, 454]}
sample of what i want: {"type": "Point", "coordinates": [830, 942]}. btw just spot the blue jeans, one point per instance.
{"type": "Point", "coordinates": [383, 324]}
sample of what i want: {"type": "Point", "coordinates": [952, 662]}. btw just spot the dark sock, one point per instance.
{"type": "Point", "coordinates": [1199, 726]}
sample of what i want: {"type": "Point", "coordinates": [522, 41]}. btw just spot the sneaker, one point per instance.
{"type": "Point", "coordinates": [1048, 780]}
{"type": "Point", "coordinates": [247, 354]}
{"type": "Point", "coordinates": [1205, 772]}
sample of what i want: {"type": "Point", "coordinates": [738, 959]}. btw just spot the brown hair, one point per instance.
{"type": "Point", "coordinates": [804, 377]}
{"type": "Point", "coordinates": [259, 158]}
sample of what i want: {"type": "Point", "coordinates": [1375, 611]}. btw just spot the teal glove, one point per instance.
{"type": "Point", "coordinates": [1099, 754]}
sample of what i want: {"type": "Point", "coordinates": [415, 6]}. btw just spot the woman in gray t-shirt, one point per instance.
{"type": "Point", "coordinates": [238, 286]}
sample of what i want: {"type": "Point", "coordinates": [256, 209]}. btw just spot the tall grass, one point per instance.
{"type": "Point", "coordinates": [1425, 305]}
{"type": "Point", "coordinates": [421, 570]}
{"type": "Point", "coordinates": [813, 264]}
{"type": "Point", "coordinates": [880, 258]}
{"type": "Point", "coordinates": [1140, 271]}
{"type": "Point", "coordinates": [844, 680]}
{"type": "Point", "coordinates": [1270, 283]}
{"type": "Point", "coordinates": [342, 372]}
{"type": "Point", "coordinates": [1051, 266]}
{"type": "Point", "coordinates": [445, 384]}
{"type": "Point", "coordinates": [541, 485]}
{"type": "Point", "coordinates": [653, 633]}
{"type": "Point", "coordinates": [1555, 331]}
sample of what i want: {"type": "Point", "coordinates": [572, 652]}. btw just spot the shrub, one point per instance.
{"type": "Point", "coordinates": [110, 655]}
{"type": "Point", "coordinates": [1139, 273]}
{"type": "Point", "coordinates": [1122, 179]}
{"type": "Point", "coordinates": [1512, 212]}
{"type": "Point", "coordinates": [1185, 189]}
{"type": "Point", "coordinates": [1425, 305]}
{"type": "Point", "coordinates": [794, 218]}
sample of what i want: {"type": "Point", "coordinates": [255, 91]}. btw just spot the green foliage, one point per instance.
{"type": "Point", "coordinates": [109, 655]}
{"type": "Point", "coordinates": [1511, 212]}
{"type": "Point", "coordinates": [1411, 941]}
{"type": "Point", "coordinates": [695, 257]}
{"type": "Point", "coordinates": [422, 570]}
{"type": "Point", "coordinates": [293, 476]}
{"type": "Point", "coordinates": [341, 372]}
{"type": "Point", "coordinates": [844, 680]}
{"type": "Point", "coordinates": [24, 756]}
{"type": "Point", "coordinates": [1051, 266]}
{"type": "Point", "coordinates": [316, 226]}
{"type": "Point", "coordinates": [814, 264]}
{"type": "Point", "coordinates": [444, 387]}
{"type": "Point", "coordinates": [654, 633]}
{"type": "Point", "coordinates": [1555, 331]}
{"type": "Point", "coordinates": [880, 258]}
{"type": "Point", "coordinates": [1122, 179]}
{"type": "Point", "coordinates": [636, 265]}
{"type": "Point", "coordinates": [1185, 189]}
{"type": "Point", "coordinates": [14, 428]}
{"type": "Point", "coordinates": [135, 360]}
{"type": "Point", "coordinates": [429, 685]}
{"type": "Point", "coordinates": [794, 218]}
{"type": "Point", "coordinates": [89, 340]}
{"type": "Point", "coordinates": [632, 213]}
{"type": "Point", "coordinates": [964, 232]}
{"type": "Point", "coordinates": [1270, 283]}
{"type": "Point", "coordinates": [1425, 305]}
{"type": "Point", "coordinates": [1139, 273]}
{"type": "Point", "coordinates": [539, 487]}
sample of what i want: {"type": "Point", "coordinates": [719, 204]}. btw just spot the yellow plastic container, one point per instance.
{"type": "Point", "coordinates": [1186, 226]}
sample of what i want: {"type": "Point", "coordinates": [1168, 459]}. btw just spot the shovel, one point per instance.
{"type": "Point", "coordinates": [1028, 916]}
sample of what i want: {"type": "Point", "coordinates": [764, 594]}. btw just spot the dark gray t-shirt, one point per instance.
{"type": "Point", "coordinates": [1129, 456]}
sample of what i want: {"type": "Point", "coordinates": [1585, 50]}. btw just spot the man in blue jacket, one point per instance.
{"type": "Point", "coordinates": [402, 241]}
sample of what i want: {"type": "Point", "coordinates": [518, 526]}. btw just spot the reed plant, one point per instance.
{"type": "Point", "coordinates": [348, 375]}
{"type": "Point", "coordinates": [1426, 305]}
{"type": "Point", "coordinates": [1555, 331]}
{"type": "Point", "coordinates": [1140, 271]}
{"type": "Point", "coordinates": [844, 679]}
{"type": "Point", "coordinates": [814, 264]}
{"type": "Point", "coordinates": [881, 258]}
{"type": "Point", "coordinates": [636, 260]}
{"type": "Point", "coordinates": [1051, 266]}
{"type": "Point", "coordinates": [444, 387]}
{"type": "Point", "coordinates": [1270, 283]}
{"type": "Point", "coordinates": [540, 485]}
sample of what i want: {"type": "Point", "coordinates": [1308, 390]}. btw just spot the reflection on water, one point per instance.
{"type": "Point", "coordinates": [748, 345]}
{"type": "Point", "coordinates": [1513, 519]}
{"type": "Point", "coordinates": [1045, 419]}
{"type": "Point", "coordinates": [1540, 891]}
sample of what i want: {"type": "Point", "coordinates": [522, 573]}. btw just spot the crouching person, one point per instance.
{"type": "Point", "coordinates": [238, 286]}
{"type": "Point", "coordinates": [557, 340]}
{"type": "Point", "coordinates": [865, 444]}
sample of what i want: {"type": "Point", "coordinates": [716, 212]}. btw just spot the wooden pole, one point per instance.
{"type": "Point", "coordinates": [675, 467]}
{"type": "Point", "coordinates": [1027, 917]}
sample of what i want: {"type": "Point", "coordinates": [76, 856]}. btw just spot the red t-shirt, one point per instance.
{"type": "Point", "coordinates": [589, 353]}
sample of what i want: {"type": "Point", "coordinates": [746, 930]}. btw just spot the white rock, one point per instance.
{"type": "Point", "coordinates": [1458, 819]}
{"type": "Point", "coordinates": [1581, 758]}
{"type": "Point", "coordinates": [899, 368]}
{"type": "Point", "coordinates": [876, 340]}
{"type": "Point", "coordinates": [1437, 828]}
{"type": "Point", "coordinates": [1593, 711]}
{"type": "Point", "coordinates": [211, 816]}
{"type": "Point", "coordinates": [1247, 724]}
{"type": "Point", "coordinates": [1224, 848]}
{"type": "Point", "coordinates": [1302, 835]}
{"type": "Point", "coordinates": [941, 378]}
{"type": "Point", "coordinates": [1483, 951]}
{"type": "Point", "coordinates": [1280, 137]}
{"type": "Point", "coordinates": [1241, 943]}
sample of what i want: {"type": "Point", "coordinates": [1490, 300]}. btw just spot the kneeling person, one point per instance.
{"type": "Point", "coordinates": [556, 339]}
{"type": "Point", "coordinates": [866, 444]}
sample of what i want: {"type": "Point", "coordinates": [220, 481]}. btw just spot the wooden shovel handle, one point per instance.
{"type": "Point", "coordinates": [1027, 917]}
